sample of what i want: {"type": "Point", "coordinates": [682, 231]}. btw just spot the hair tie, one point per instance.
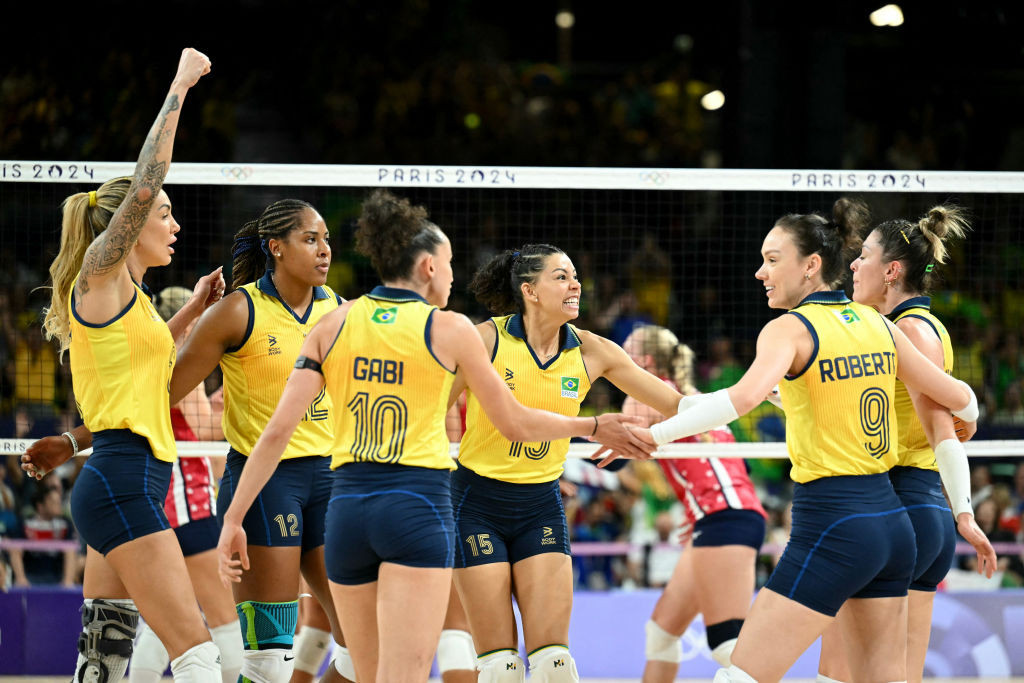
{"type": "Point", "coordinates": [92, 198]}
{"type": "Point", "coordinates": [243, 244]}
{"type": "Point", "coordinates": [263, 246]}
{"type": "Point", "coordinates": [515, 254]}
{"type": "Point", "coordinates": [905, 238]}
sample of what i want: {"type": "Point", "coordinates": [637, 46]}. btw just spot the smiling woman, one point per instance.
{"type": "Point", "coordinates": [547, 363]}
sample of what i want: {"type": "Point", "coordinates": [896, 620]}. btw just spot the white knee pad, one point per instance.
{"type": "Point", "coordinates": [228, 639]}
{"type": "Point", "coordinates": [733, 674]}
{"type": "Point", "coordinates": [343, 663]}
{"type": "Point", "coordinates": [822, 678]}
{"type": "Point", "coordinates": [455, 651]}
{"type": "Point", "coordinates": [199, 664]}
{"type": "Point", "coordinates": [267, 666]}
{"type": "Point", "coordinates": [723, 653]}
{"type": "Point", "coordinates": [503, 666]}
{"type": "Point", "coordinates": [149, 658]}
{"type": "Point", "coordinates": [553, 664]}
{"type": "Point", "coordinates": [105, 643]}
{"type": "Point", "coordinates": [662, 646]}
{"type": "Point", "coordinates": [311, 646]}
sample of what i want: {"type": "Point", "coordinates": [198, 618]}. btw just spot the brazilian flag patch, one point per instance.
{"type": "Point", "coordinates": [385, 316]}
{"type": "Point", "coordinates": [570, 387]}
{"type": "Point", "coordinates": [848, 315]}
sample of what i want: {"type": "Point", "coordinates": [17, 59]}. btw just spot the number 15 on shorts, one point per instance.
{"type": "Point", "coordinates": [480, 544]}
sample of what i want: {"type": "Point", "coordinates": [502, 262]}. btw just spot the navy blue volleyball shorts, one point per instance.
{"type": "Point", "coordinates": [119, 494]}
{"type": "Point", "coordinates": [498, 521]}
{"type": "Point", "coordinates": [729, 527]}
{"type": "Point", "coordinates": [851, 538]}
{"type": "Point", "coordinates": [291, 509]}
{"type": "Point", "coordinates": [387, 513]}
{"type": "Point", "coordinates": [921, 493]}
{"type": "Point", "coordinates": [198, 536]}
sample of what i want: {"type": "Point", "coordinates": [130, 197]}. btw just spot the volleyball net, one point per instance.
{"type": "Point", "coordinates": [672, 247]}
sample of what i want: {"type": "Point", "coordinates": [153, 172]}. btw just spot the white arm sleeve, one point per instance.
{"type": "Point", "coordinates": [970, 412]}
{"type": "Point", "coordinates": [704, 412]}
{"type": "Point", "coordinates": [956, 475]}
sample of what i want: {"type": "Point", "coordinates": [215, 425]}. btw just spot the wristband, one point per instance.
{"type": "Point", "coordinates": [968, 413]}
{"type": "Point", "coordinates": [951, 458]}
{"type": "Point", "coordinates": [595, 425]}
{"type": "Point", "coordinates": [74, 442]}
{"type": "Point", "coordinates": [704, 412]}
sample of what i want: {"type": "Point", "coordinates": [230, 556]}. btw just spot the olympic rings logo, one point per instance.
{"type": "Point", "coordinates": [236, 172]}
{"type": "Point", "coordinates": [654, 177]}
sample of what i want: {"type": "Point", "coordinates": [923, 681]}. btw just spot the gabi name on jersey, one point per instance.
{"type": "Point", "coordinates": [856, 365]}
{"type": "Point", "coordinates": [378, 370]}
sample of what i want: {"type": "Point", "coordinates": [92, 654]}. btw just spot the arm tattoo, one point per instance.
{"type": "Point", "coordinates": [116, 242]}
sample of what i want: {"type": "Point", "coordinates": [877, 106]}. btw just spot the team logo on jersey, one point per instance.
{"type": "Point", "coordinates": [570, 387]}
{"type": "Point", "coordinates": [548, 537]}
{"type": "Point", "coordinates": [848, 315]}
{"type": "Point", "coordinates": [385, 316]}
{"type": "Point", "coordinates": [272, 347]}
{"type": "Point", "coordinates": [509, 380]}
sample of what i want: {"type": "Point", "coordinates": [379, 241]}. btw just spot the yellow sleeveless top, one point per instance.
{"type": "Point", "coordinates": [840, 415]}
{"type": "Point", "coordinates": [256, 371]}
{"type": "Point", "coordinates": [390, 389]}
{"type": "Point", "coordinates": [914, 449]}
{"type": "Point", "coordinates": [121, 372]}
{"type": "Point", "coordinates": [560, 385]}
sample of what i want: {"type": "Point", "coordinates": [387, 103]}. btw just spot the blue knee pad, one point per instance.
{"type": "Point", "coordinates": [268, 625]}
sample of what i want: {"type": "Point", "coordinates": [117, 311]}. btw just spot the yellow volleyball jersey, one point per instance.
{"type": "Point", "coordinates": [558, 385]}
{"type": "Point", "coordinates": [914, 449]}
{"type": "Point", "coordinates": [121, 372]}
{"type": "Point", "coordinates": [256, 371]}
{"type": "Point", "coordinates": [390, 389]}
{"type": "Point", "coordinates": [840, 408]}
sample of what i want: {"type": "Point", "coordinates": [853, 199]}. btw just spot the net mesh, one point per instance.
{"type": "Point", "coordinates": [676, 248]}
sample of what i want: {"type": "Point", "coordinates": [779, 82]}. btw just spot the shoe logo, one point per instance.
{"type": "Point", "coordinates": [288, 659]}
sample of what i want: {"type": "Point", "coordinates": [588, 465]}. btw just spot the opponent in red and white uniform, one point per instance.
{"type": "Point", "coordinates": [715, 574]}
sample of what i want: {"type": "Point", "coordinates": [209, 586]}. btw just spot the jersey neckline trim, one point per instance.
{"type": "Point", "coordinates": [515, 327]}
{"type": "Point", "coordinates": [834, 296]}
{"type": "Point", "coordinates": [924, 302]}
{"type": "Point", "coordinates": [396, 294]}
{"type": "Point", "coordinates": [266, 285]}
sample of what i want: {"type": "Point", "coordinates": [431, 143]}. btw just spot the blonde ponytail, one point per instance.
{"type": "Point", "coordinates": [85, 216]}
{"type": "Point", "coordinates": [941, 224]}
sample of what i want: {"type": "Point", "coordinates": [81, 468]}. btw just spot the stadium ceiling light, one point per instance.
{"type": "Point", "coordinates": [713, 100]}
{"type": "Point", "coordinates": [890, 15]}
{"type": "Point", "coordinates": [565, 19]}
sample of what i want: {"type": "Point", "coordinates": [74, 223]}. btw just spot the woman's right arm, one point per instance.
{"type": "Point", "coordinates": [922, 375]}
{"type": "Point", "coordinates": [221, 327]}
{"type": "Point", "coordinates": [778, 347]}
{"type": "Point", "coordinates": [101, 268]}
{"type": "Point", "coordinates": [459, 345]}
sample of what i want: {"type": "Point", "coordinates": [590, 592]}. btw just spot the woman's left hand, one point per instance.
{"type": "Point", "coordinates": [232, 541]}
{"type": "Point", "coordinates": [210, 288]}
